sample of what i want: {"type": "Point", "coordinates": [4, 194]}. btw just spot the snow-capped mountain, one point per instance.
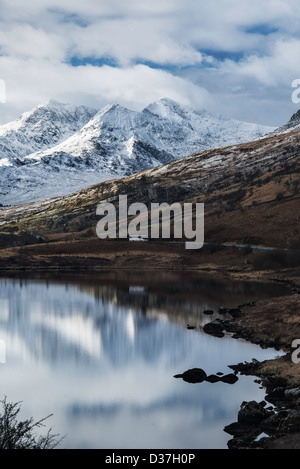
{"type": "Point", "coordinates": [42, 127]}
{"type": "Point", "coordinates": [56, 149]}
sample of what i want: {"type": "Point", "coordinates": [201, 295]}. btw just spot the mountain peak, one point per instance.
{"type": "Point", "coordinates": [115, 116]}
{"type": "Point", "coordinates": [51, 103]}
{"type": "Point", "coordinates": [109, 108]}
{"type": "Point", "coordinates": [292, 124]}
{"type": "Point", "coordinates": [295, 119]}
{"type": "Point", "coordinates": [164, 102]}
{"type": "Point", "coordinates": [42, 127]}
{"type": "Point", "coordinates": [57, 109]}
{"type": "Point", "coordinates": [168, 102]}
{"type": "Point", "coordinates": [167, 109]}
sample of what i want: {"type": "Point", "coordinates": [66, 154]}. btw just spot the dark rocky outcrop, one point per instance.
{"type": "Point", "coordinates": [245, 431]}
{"type": "Point", "coordinates": [195, 375]}
{"type": "Point", "coordinates": [240, 430]}
{"type": "Point", "coordinates": [252, 413]}
{"type": "Point", "coordinates": [276, 395]}
{"type": "Point", "coordinates": [214, 328]}
{"type": "Point", "coordinates": [212, 378]}
{"type": "Point", "coordinates": [234, 312]}
{"type": "Point", "coordinates": [229, 379]}
{"type": "Point", "coordinates": [291, 394]}
{"type": "Point", "coordinates": [274, 422]}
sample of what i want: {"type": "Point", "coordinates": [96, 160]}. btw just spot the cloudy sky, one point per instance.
{"type": "Point", "coordinates": [235, 57]}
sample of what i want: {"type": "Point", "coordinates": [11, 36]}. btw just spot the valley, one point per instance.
{"type": "Point", "coordinates": [251, 196]}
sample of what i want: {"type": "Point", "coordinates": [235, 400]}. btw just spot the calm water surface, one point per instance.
{"type": "Point", "coordinates": [101, 352]}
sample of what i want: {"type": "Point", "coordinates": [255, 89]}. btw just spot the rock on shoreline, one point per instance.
{"type": "Point", "coordinates": [272, 422]}
{"type": "Point", "coordinates": [197, 375]}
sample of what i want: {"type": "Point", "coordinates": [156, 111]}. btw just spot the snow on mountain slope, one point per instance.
{"type": "Point", "coordinates": [121, 141]}
{"type": "Point", "coordinates": [113, 143]}
{"type": "Point", "coordinates": [212, 130]}
{"type": "Point", "coordinates": [41, 128]}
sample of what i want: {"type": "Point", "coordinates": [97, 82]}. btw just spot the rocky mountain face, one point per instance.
{"type": "Point", "coordinates": [292, 124]}
{"type": "Point", "coordinates": [56, 149]}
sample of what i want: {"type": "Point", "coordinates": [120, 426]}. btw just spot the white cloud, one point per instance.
{"type": "Point", "coordinates": [38, 38]}
{"type": "Point", "coordinates": [277, 68]}
{"type": "Point", "coordinates": [172, 31]}
{"type": "Point", "coordinates": [23, 40]}
{"type": "Point", "coordinates": [128, 40]}
{"type": "Point", "coordinates": [134, 86]}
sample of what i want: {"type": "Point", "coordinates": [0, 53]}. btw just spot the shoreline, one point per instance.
{"type": "Point", "coordinates": [274, 322]}
{"type": "Point", "coordinates": [278, 416]}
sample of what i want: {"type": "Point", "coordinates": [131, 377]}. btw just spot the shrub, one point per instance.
{"type": "Point", "coordinates": [19, 435]}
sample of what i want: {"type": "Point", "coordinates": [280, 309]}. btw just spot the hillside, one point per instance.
{"type": "Point", "coordinates": [250, 192]}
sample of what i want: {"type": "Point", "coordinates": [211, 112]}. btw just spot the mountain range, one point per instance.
{"type": "Point", "coordinates": [56, 149]}
{"type": "Point", "coordinates": [250, 192]}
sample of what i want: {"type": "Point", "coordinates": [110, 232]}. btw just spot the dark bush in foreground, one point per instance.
{"type": "Point", "coordinates": [277, 259]}
{"type": "Point", "coordinates": [16, 434]}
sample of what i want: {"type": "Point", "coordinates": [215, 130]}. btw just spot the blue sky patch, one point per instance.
{"type": "Point", "coordinates": [263, 29]}
{"type": "Point", "coordinates": [223, 54]}
{"type": "Point", "coordinates": [94, 61]}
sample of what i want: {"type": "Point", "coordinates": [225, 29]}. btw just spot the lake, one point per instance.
{"type": "Point", "coordinates": [100, 352]}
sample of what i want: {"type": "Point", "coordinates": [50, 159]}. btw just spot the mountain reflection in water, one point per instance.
{"type": "Point", "coordinates": [100, 352]}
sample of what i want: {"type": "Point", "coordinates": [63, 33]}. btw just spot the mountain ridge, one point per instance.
{"type": "Point", "coordinates": [292, 124]}
{"type": "Point", "coordinates": [75, 146]}
{"type": "Point", "coordinates": [247, 189]}
{"type": "Point", "coordinates": [43, 126]}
